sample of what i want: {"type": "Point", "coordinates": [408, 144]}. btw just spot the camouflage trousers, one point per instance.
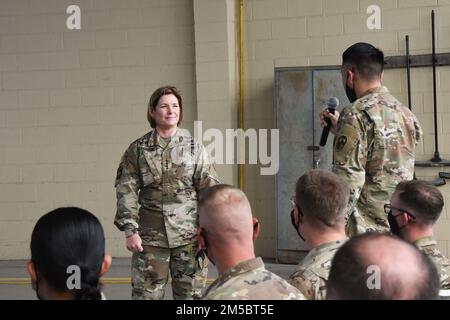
{"type": "Point", "coordinates": [358, 223]}
{"type": "Point", "coordinates": [150, 273]}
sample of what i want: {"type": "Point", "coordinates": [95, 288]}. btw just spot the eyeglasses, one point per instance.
{"type": "Point", "coordinates": [293, 219]}
{"type": "Point", "coordinates": [388, 208]}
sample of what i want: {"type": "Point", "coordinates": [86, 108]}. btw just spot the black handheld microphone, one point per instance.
{"type": "Point", "coordinates": [332, 104]}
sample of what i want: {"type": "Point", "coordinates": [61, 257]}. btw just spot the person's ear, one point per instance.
{"type": "Point", "coordinates": [32, 272]}
{"type": "Point", "coordinates": [350, 78]}
{"type": "Point", "coordinates": [107, 260]}
{"type": "Point", "coordinates": [201, 238]}
{"type": "Point", "coordinates": [403, 219]}
{"type": "Point", "coordinates": [300, 217]}
{"type": "Point", "coordinates": [407, 218]}
{"type": "Point", "coordinates": [382, 76]}
{"type": "Point", "coordinates": [256, 228]}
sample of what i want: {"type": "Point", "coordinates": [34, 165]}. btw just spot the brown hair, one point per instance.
{"type": "Point", "coordinates": [424, 199]}
{"type": "Point", "coordinates": [154, 99]}
{"type": "Point", "coordinates": [323, 196]}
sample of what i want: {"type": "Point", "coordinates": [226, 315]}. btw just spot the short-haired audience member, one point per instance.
{"type": "Point", "coordinates": [68, 255]}
{"type": "Point", "coordinates": [226, 234]}
{"type": "Point", "coordinates": [375, 266]}
{"type": "Point", "coordinates": [321, 199]}
{"type": "Point", "coordinates": [414, 209]}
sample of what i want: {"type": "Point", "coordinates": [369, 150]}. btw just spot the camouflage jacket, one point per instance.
{"type": "Point", "coordinates": [428, 246]}
{"type": "Point", "coordinates": [374, 150]}
{"type": "Point", "coordinates": [311, 274]}
{"type": "Point", "coordinates": [250, 280]}
{"type": "Point", "coordinates": [163, 177]}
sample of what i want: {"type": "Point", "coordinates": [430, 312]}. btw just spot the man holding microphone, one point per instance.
{"type": "Point", "coordinates": [375, 139]}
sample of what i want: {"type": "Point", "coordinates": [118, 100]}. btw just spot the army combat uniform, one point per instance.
{"type": "Point", "coordinates": [428, 246]}
{"type": "Point", "coordinates": [373, 151]}
{"type": "Point", "coordinates": [250, 280]}
{"type": "Point", "coordinates": [311, 274]}
{"type": "Point", "coordinates": [163, 176]}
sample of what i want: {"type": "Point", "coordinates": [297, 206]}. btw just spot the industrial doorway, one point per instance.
{"type": "Point", "coordinates": [300, 95]}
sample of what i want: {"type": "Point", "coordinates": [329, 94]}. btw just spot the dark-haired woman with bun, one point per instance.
{"type": "Point", "coordinates": [68, 255]}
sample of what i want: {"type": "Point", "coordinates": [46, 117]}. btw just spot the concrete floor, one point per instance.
{"type": "Point", "coordinates": [15, 282]}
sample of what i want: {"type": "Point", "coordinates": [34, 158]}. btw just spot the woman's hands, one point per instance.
{"type": "Point", "coordinates": [134, 243]}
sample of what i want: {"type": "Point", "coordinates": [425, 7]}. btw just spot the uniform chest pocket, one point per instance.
{"type": "Point", "coordinates": [183, 173]}
{"type": "Point", "coordinates": [150, 167]}
{"type": "Point", "coordinates": [182, 164]}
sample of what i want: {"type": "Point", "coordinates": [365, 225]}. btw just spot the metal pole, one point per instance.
{"type": "Point", "coordinates": [408, 71]}
{"type": "Point", "coordinates": [436, 157]}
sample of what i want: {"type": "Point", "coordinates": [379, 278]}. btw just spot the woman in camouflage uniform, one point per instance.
{"type": "Point", "coordinates": [163, 172]}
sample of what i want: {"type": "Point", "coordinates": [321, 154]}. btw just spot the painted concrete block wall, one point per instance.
{"type": "Point", "coordinates": [71, 101]}
{"type": "Point", "coordinates": [216, 71]}
{"type": "Point", "coordinates": [285, 33]}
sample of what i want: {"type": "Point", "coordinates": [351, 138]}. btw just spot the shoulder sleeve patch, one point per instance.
{"type": "Point", "coordinates": [345, 144]}
{"type": "Point", "coordinates": [340, 142]}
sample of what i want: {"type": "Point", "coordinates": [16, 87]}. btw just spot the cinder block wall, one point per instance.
{"type": "Point", "coordinates": [71, 101]}
{"type": "Point", "coordinates": [284, 33]}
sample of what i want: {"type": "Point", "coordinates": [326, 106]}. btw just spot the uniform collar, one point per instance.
{"type": "Point", "coordinates": [240, 268]}
{"type": "Point", "coordinates": [156, 140]}
{"type": "Point", "coordinates": [380, 89]}
{"type": "Point", "coordinates": [244, 266]}
{"type": "Point", "coordinates": [328, 246]}
{"type": "Point", "coordinates": [425, 241]}
{"type": "Point", "coordinates": [320, 250]}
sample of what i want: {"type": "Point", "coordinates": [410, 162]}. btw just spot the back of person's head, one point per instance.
{"type": "Point", "coordinates": [367, 60]}
{"type": "Point", "coordinates": [375, 266]}
{"type": "Point", "coordinates": [420, 198]}
{"type": "Point", "coordinates": [323, 197]}
{"type": "Point", "coordinates": [225, 212]}
{"type": "Point", "coordinates": [62, 241]}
